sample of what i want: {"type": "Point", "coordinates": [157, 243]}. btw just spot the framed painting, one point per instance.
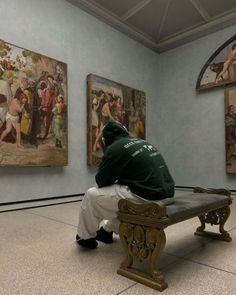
{"type": "Point", "coordinates": [33, 108]}
{"type": "Point", "coordinates": [108, 101]}
{"type": "Point", "coordinates": [230, 130]}
{"type": "Point", "coordinates": [220, 69]}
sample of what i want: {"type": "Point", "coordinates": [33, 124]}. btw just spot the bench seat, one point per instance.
{"type": "Point", "coordinates": [194, 204]}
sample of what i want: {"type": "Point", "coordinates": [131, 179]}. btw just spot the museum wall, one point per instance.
{"type": "Point", "coordinates": [59, 30]}
{"type": "Point", "coordinates": [190, 124]}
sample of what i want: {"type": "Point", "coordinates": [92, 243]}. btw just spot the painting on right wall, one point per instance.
{"type": "Point", "coordinates": [230, 130]}
{"type": "Point", "coordinates": [220, 68]}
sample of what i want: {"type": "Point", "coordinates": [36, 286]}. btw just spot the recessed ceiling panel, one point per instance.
{"type": "Point", "coordinates": [148, 19]}
{"type": "Point", "coordinates": [118, 7]}
{"type": "Point", "coordinates": [181, 16]}
{"type": "Point", "coordinates": [216, 7]}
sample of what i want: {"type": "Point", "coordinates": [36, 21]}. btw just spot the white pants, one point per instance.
{"type": "Point", "coordinates": [101, 205]}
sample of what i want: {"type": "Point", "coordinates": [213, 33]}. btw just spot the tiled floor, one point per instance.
{"type": "Point", "coordinates": [38, 256]}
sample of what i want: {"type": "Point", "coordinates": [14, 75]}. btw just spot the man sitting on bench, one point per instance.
{"type": "Point", "coordinates": [130, 168]}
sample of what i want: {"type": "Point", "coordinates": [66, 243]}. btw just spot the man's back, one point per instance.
{"type": "Point", "coordinates": [139, 165]}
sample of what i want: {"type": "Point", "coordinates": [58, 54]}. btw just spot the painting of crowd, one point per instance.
{"type": "Point", "coordinates": [33, 106]}
{"type": "Point", "coordinates": [111, 101]}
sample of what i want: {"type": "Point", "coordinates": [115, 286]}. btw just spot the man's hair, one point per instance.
{"type": "Point", "coordinates": [230, 106]}
{"type": "Point", "coordinates": [18, 93]}
{"type": "Point", "coordinates": [233, 46]}
{"type": "Point", "coordinates": [100, 92]}
{"type": "Point", "coordinates": [112, 130]}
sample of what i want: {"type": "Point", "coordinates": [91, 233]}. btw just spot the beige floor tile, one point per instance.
{"type": "Point", "coordinates": [39, 256]}
{"type": "Point", "coordinates": [67, 213]}
{"type": "Point", "coordinates": [217, 254]}
{"type": "Point", "coordinates": [187, 278]}
{"type": "Point", "coordinates": [180, 238]}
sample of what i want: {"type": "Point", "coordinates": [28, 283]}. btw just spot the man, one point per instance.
{"type": "Point", "coordinates": [130, 168]}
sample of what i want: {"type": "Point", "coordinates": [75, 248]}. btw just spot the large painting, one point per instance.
{"type": "Point", "coordinates": [220, 69]}
{"type": "Point", "coordinates": [107, 101]}
{"type": "Point", "coordinates": [230, 130]}
{"type": "Point", "coordinates": [33, 108]}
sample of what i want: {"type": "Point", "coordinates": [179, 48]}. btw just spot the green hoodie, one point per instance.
{"type": "Point", "coordinates": [133, 162]}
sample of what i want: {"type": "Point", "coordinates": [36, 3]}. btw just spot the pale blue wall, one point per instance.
{"type": "Point", "coordinates": [190, 125]}
{"type": "Point", "coordinates": [186, 126]}
{"type": "Point", "coordinates": [57, 29]}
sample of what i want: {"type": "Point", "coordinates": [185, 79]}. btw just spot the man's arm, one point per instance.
{"type": "Point", "coordinates": [109, 169]}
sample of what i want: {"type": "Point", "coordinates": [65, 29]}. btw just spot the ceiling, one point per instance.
{"type": "Point", "coordinates": [163, 24]}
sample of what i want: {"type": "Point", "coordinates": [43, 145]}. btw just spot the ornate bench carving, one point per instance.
{"type": "Point", "coordinates": [142, 228]}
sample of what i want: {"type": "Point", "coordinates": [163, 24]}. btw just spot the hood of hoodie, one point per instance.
{"type": "Point", "coordinates": [112, 130]}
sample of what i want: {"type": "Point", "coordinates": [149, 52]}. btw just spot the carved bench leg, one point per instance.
{"type": "Point", "coordinates": [216, 217]}
{"type": "Point", "coordinates": [144, 243]}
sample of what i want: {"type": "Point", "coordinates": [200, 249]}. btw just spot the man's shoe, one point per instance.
{"type": "Point", "coordinates": [88, 243]}
{"type": "Point", "coordinates": [104, 236]}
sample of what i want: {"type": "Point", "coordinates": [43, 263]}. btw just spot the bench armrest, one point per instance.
{"type": "Point", "coordinates": [218, 191]}
{"type": "Point", "coordinates": [149, 214]}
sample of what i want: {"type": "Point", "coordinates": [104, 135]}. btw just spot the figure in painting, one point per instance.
{"type": "Point", "coordinates": [119, 109]}
{"type": "Point", "coordinates": [26, 116]}
{"type": "Point", "coordinates": [47, 94]}
{"type": "Point", "coordinates": [106, 113]}
{"type": "Point", "coordinates": [231, 58]}
{"type": "Point", "coordinates": [16, 108]}
{"type": "Point", "coordinates": [105, 116]}
{"type": "Point", "coordinates": [95, 122]}
{"type": "Point", "coordinates": [131, 115]}
{"type": "Point", "coordinates": [32, 93]}
{"type": "Point", "coordinates": [138, 126]}
{"type": "Point", "coordinates": [59, 121]}
{"type": "Point", "coordinates": [48, 104]}
{"type": "Point", "coordinates": [97, 109]}
{"type": "Point", "coordinates": [5, 89]}
{"type": "Point", "coordinates": [5, 97]}
{"type": "Point", "coordinates": [230, 121]}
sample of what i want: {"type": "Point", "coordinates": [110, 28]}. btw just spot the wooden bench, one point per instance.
{"type": "Point", "coordinates": [142, 228]}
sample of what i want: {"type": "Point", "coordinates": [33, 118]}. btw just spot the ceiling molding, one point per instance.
{"type": "Point", "coordinates": [93, 7]}
{"type": "Point", "coordinates": [163, 18]}
{"type": "Point", "coordinates": [135, 9]}
{"type": "Point", "coordinates": [221, 22]}
{"type": "Point", "coordinates": [200, 9]}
